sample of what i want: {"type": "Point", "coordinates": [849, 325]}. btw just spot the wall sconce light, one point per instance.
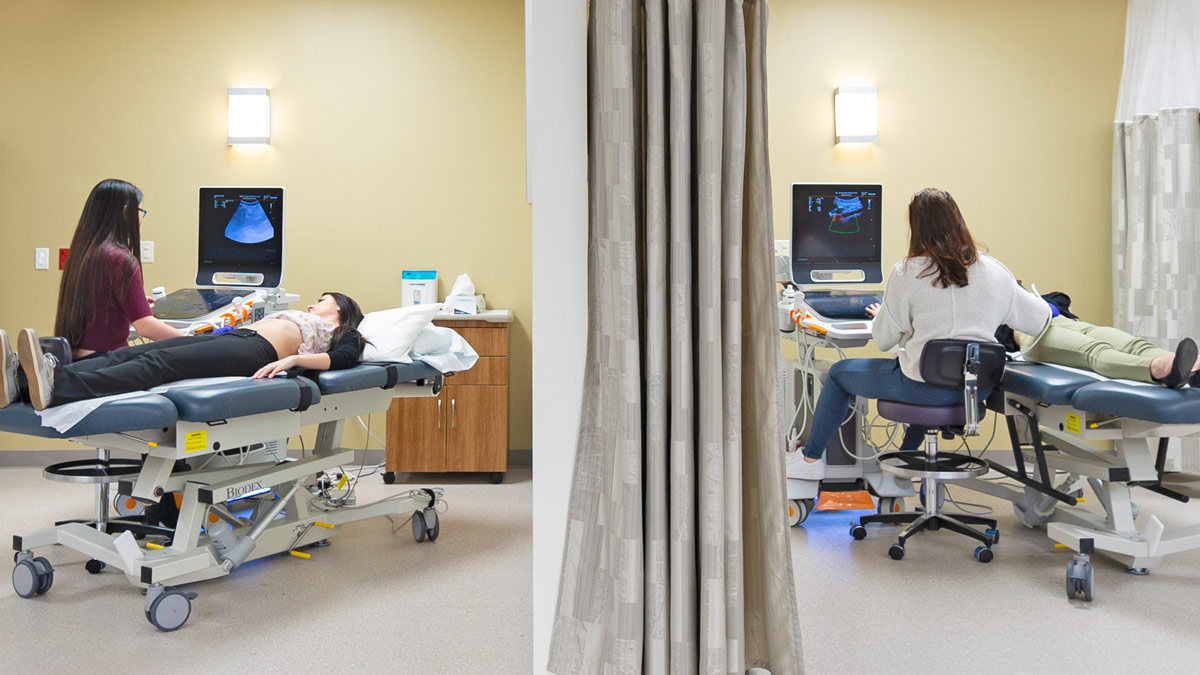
{"type": "Point", "coordinates": [249, 116]}
{"type": "Point", "coordinates": [855, 115]}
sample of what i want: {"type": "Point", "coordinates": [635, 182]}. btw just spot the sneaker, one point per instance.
{"type": "Point", "coordinates": [8, 372]}
{"type": "Point", "coordinates": [1194, 380]}
{"type": "Point", "coordinates": [799, 468]}
{"type": "Point", "coordinates": [38, 367]}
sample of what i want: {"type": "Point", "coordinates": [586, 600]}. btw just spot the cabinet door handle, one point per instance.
{"type": "Point", "coordinates": [439, 413]}
{"type": "Point", "coordinates": [452, 415]}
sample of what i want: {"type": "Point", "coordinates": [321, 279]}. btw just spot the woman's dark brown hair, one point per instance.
{"type": "Point", "coordinates": [102, 259]}
{"type": "Point", "coordinates": [350, 315]}
{"type": "Point", "coordinates": [937, 231]}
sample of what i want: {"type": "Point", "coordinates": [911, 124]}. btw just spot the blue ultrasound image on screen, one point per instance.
{"type": "Point", "coordinates": [249, 224]}
{"type": "Point", "coordinates": [241, 229]}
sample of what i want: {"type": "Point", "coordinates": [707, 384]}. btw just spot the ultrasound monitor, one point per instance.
{"type": "Point", "coordinates": [241, 237]}
{"type": "Point", "coordinates": [836, 233]}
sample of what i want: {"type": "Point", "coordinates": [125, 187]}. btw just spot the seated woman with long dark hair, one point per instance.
{"type": "Point", "coordinates": [323, 338]}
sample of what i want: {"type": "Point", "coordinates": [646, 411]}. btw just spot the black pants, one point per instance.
{"type": "Point", "coordinates": [241, 352]}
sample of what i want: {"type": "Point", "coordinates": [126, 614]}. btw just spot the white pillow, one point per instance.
{"type": "Point", "coordinates": [390, 332]}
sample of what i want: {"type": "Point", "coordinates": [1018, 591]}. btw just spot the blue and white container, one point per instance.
{"type": "Point", "coordinates": [418, 287]}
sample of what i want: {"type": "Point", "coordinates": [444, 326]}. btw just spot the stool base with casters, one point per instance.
{"type": "Point", "coordinates": [933, 468]}
{"type": "Point", "coordinates": [940, 365]}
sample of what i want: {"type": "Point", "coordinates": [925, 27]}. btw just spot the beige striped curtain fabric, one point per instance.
{"type": "Point", "coordinates": [677, 556]}
{"type": "Point", "coordinates": [1156, 233]}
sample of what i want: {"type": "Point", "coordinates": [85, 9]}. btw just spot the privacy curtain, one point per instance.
{"type": "Point", "coordinates": [1156, 179]}
{"type": "Point", "coordinates": [677, 554]}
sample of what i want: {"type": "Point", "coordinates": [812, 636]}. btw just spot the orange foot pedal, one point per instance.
{"type": "Point", "coordinates": [840, 501]}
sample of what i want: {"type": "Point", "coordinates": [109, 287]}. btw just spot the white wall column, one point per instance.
{"type": "Point", "coordinates": [556, 113]}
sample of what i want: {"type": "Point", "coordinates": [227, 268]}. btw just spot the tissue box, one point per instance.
{"type": "Point", "coordinates": [465, 304]}
{"type": "Point", "coordinates": [418, 287]}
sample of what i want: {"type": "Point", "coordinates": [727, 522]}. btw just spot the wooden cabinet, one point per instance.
{"type": "Point", "coordinates": [465, 427]}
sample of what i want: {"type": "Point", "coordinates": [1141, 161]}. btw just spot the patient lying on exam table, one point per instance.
{"type": "Point", "coordinates": [323, 338]}
{"type": "Point", "coordinates": [1108, 351]}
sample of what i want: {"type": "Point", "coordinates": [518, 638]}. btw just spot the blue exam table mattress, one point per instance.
{"type": "Point", "coordinates": [1056, 386]}
{"type": "Point", "coordinates": [205, 403]}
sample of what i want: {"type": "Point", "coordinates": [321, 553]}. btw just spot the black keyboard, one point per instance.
{"type": "Point", "coordinates": [841, 304]}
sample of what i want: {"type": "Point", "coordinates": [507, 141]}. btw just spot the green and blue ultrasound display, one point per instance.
{"type": "Point", "coordinates": [835, 223]}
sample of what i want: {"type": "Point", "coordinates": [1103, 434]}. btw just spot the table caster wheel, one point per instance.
{"type": "Point", "coordinates": [32, 577]}
{"type": "Point", "coordinates": [984, 554]}
{"type": "Point", "coordinates": [1079, 580]}
{"type": "Point", "coordinates": [994, 534]}
{"type": "Point", "coordinates": [859, 533]}
{"type": "Point", "coordinates": [890, 505]}
{"type": "Point", "coordinates": [170, 610]}
{"type": "Point", "coordinates": [419, 527]}
{"type": "Point", "coordinates": [497, 477]}
{"type": "Point", "coordinates": [433, 524]}
{"type": "Point", "coordinates": [389, 477]}
{"type": "Point", "coordinates": [94, 566]}
{"type": "Point", "coordinates": [25, 579]}
{"type": "Point", "coordinates": [896, 552]}
{"type": "Point", "coordinates": [798, 510]}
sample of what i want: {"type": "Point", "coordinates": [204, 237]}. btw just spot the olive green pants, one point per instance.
{"type": "Point", "coordinates": [1101, 349]}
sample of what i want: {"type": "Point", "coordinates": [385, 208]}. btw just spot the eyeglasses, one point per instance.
{"type": "Point", "coordinates": [142, 211]}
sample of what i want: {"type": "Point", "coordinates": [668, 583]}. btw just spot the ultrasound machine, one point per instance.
{"type": "Point", "coordinates": [240, 262]}
{"type": "Point", "coordinates": [831, 275]}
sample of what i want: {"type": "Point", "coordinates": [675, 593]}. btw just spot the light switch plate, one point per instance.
{"type": "Point", "coordinates": [41, 258]}
{"type": "Point", "coordinates": [147, 251]}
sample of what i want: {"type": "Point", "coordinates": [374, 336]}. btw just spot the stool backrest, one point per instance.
{"type": "Point", "coordinates": [972, 365]}
{"type": "Point", "coordinates": [944, 362]}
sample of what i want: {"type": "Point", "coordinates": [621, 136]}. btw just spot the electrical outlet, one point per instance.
{"type": "Point", "coordinates": [41, 258]}
{"type": "Point", "coordinates": [147, 251]}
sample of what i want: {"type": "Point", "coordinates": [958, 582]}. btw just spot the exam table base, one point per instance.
{"type": "Point", "coordinates": [1113, 475]}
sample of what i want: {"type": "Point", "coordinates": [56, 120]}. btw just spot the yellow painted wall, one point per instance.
{"type": "Point", "coordinates": [397, 128]}
{"type": "Point", "coordinates": [1008, 105]}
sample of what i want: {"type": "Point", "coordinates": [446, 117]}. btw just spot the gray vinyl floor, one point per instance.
{"type": "Point", "coordinates": [378, 602]}
{"type": "Point", "coordinates": [372, 602]}
{"type": "Point", "coordinates": [940, 611]}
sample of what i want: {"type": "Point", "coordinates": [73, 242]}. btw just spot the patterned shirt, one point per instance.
{"type": "Point", "coordinates": [315, 332]}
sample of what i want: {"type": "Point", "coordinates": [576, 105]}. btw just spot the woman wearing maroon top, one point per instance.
{"type": "Point", "coordinates": [101, 292]}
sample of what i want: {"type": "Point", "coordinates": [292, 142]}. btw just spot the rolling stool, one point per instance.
{"type": "Point", "coordinates": [974, 366]}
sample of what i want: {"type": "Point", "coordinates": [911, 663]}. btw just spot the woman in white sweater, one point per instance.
{"type": "Point", "coordinates": [945, 289]}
